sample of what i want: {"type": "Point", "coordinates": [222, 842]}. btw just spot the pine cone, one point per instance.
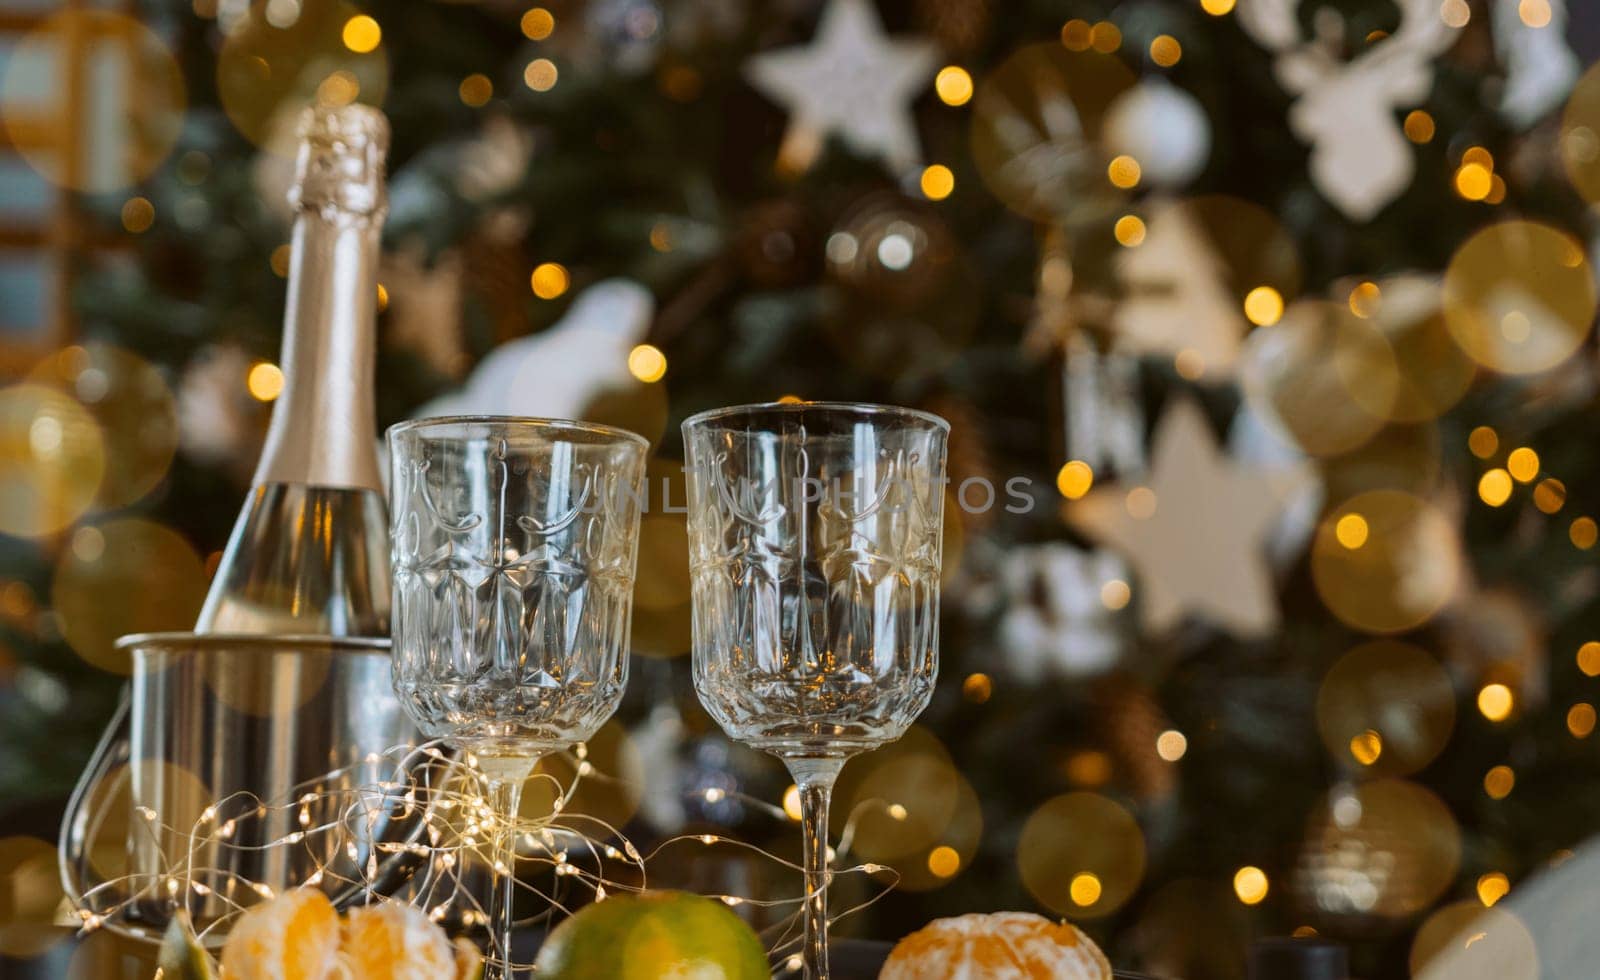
{"type": "Point", "coordinates": [1127, 713]}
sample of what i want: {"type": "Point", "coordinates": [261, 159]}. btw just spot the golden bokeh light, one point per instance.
{"type": "Point", "coordinates": [361, 34]}
{"type": "Point", "coordinates": [1190, 364]}
{"type": "Point", "coordinates": [52, 460]}
{"type": "Point", "coordinates": [1389, 705]}
{"type": "Point", "coordinates": [647, 363]}
{"type": "Point", "coordinates": [279, 261]}
{"type": "Point", "coordinates": [1483, 441]}
{"type": "Point", "coordinates": [265, 381]}
{"type": "Point", "coordinates": [1088, 768]}
{"type": "Point", "coordinates": [1077, 834]}
{"type": "Point", "coordinates": [1430, 373]}
{"type": "Point", "coordinates": [1583, 532]}
{"type": "Point", "coordinates": [1499, 781]}
{"type": "Point", "coordinates": [1589, 658]}
{"type": "Point", "coordinates": [1497, 190]}
{"type": "Point", "coordinates": [126, 575]}
{"type": "Point", "coordinates": [550, 280]}
{"type": "Point", "coordinates": [1523, 464]}
{"type": "Point", "coordinates": [30, 891]}
{"type": "Point", "coordinates": [934, 866]}
{"type": "Point", "coordinates": [1492, 887]}
{"type": "Point", "coordinates": [1367, 747]}
{"type": "Point", "coordinates": [1364, 299]}
{"type": "Point", "coordinates": [1467, 940]}
{"type": "Point", "coordinates": [1409, 567]}
{"type": "Point", "coordinates": [476, 90]}
{"type": "Point", "coordinates": [944, 861]}
{"type": "Point", "coordinates": [1263, 306]}
{"type": "Point", "coordinates": [903, 798]}
{"type": "Point", "coordinates": [1115, 594]}
{"type": "Point", "coordinates": [1286, 377]}
{"type": "Point", "coordinates": [1141, 503]}
{"type": "Point", "coordinates": [977, 688]}
{"type": "Point", "coordinates": [1534, 13]}
{"type": "Point", "coordinates": [1171, 745]}
{"type": "Point", "coordinates": [1028, 127]}
{"type": "Point", "coordinates": [937, 182]}
{"type": "Point", "coordinates": [1124, 171]}
{"type": "Point", "coordinates": [1494, 487]}
{"type": "Point", "coordinates": [1105, 37]}
{"type": "Point", "coordinates": [1550, 495]}
{"type": "Point", "coordinates": [1495, 701]}
{"type": "Point", "coordinates": [1455, 13]}
{"type": "Point", "coordinates": [1351, 530]}
{"type": "Point", "coordinates": [537, 24]}
{"type": "Point", "coordinates": [1419, 126]}
{"type": "Point", "coordinates": [1074, 479]}
{"type": "Point", "coordinates": [138, 214]}
{"type": "Point", "coordinates": [267, 72]}
{"type": "Point", "coordinates": [135, 411]}
{"type": "Point", "coordinates": [1580, 135]}
{"type": "Point", "coordinates": [1130, 231]}
{"type": "Point", "coordinates": [1580, 719]}
{"type": "Point", "coordinates": [1217, 8]}
{"type": "Point", "coordinates": [1387, 848]}
{"type": "Point", "coordinates": [1084, 889]}
{"type": "Point", "coordinates": [953, 85]}
{"type": "Point", "coordinates": [1165, 50]}
{"type": "Point", "coordinates": [541, 75]}
{"type": "Point", "coordinates": [1474, 181]}
{"type": "Point", "coordinates": [1519, 296]}
{"type": "Point", "coordinates": [1250, 885]}
{"type": "Point", "coordinates": [1075, 35]}
{"type": "Point", "coordinates": [148, 100]}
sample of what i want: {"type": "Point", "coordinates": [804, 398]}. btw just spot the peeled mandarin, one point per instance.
{"type": "Point", "coordinates": [395, 942]}
{"type": "Point", "coordinates": [998, 946]}
{"type": "Point", "coordinates": [293, 937]}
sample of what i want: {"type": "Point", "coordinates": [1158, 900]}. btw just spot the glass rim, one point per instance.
{"type": "Point", "coordinates": [858, 408]}
{"type": "Point", "coordinates": [561, 425]}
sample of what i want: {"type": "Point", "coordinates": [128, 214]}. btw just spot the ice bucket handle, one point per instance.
{"type": "Point", "coordinates": [72, 850]}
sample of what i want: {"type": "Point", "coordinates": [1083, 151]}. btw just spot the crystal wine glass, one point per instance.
{"type": "Point", "coordinates": [514, 543]}
{"type": "Point", "coordinates": [814, 543]}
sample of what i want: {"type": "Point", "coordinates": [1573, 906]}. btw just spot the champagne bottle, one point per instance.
{"type": "Point", "coordinates": [309, 552]}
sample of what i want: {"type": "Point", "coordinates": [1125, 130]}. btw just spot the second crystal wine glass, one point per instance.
{"type": "Point", "coordinates": [814, 542]}
{"type": "Point", "coordinates": [514, 543]}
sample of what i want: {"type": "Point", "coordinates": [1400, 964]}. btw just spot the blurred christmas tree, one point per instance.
{"type": "Point", "coordinates": [1278, 314]}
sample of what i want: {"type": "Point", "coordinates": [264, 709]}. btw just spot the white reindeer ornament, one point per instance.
{"type": "Point", "coordinates": [1346, 109]}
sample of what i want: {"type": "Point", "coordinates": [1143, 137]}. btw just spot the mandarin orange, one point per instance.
{"type": "Point", "coordinates": [998, 946]}
{"type": "Point", "coordinates": [293, 937]}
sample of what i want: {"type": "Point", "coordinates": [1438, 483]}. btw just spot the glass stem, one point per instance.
{"type": "Point", "coordinates": [814, 779]}
{"type": "Point", "coordinates": [505, 777]}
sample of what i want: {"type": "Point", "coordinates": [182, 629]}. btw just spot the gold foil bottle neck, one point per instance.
{"type": "Point", "coordinates": [341, 159]}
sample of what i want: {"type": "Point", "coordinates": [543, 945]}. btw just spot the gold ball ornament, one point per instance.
{"type": "Point", "coordinates": [1386, 708]}
{"type": "Point", "coordinates": [281, 57]}
{"type": "Point", "coordinates": [1395, 576]}
{"type": "Point", "coordinates": [52, 460]}
{"type": "Point", "coordinates": [1519, 296]}
{"type": "Point", "coordinates": [135, 410]}
{"type": "Point", "coordinates": [1375, 853]}
{"type": "Point", "coordinates": [1081, 854]}
{"type": "Point", "coordinates": [997, 946]}
{"type": "Point", "coordinates": [1035, 124]}
{"type": "Point", "coordinates": [148, 99]}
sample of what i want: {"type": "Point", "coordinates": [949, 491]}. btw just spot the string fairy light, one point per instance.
{"type": "Point", "coordinates": [447, 827]}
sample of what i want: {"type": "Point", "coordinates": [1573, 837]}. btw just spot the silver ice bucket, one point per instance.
{"type": "Point", "coordinates": [240, 763]}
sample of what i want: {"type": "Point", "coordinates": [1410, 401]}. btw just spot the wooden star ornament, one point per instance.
{"type": "Point", "coordinates": [1194, 530]}
{"type": "Point", "coordinates": [851, 80]}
